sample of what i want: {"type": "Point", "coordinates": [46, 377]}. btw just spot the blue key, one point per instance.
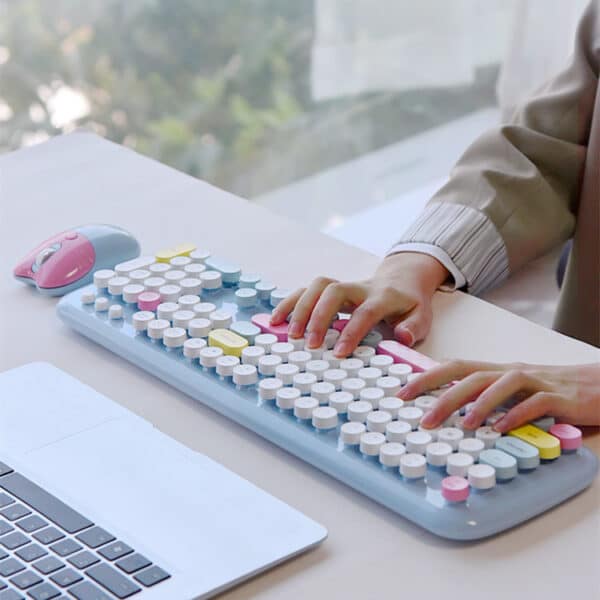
{"type": "Point", "coordinates": [246, 330]}
{"type": "Point", "coordinates": [230, 273]}
{"type": "Point", "coordinates": [527, 456]}
{"type": "Point", "coordinates": [505, 464]}
{"type": "Point", "coordinates": [249, 280]}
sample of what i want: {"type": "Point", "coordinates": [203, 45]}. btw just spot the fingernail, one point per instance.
{"type": "Point", "coordinates": [470, 421]}
{"type": "Point", "coordinates": [312, 341]}
{"type": "Point", "coordinates": [341, 349]}
{"type": "Point", "coordinates": [500, 426]}
{"type": "Point", "coordinates": [294, 329]}
{"type": "Point", "coordinates": [406, 337]}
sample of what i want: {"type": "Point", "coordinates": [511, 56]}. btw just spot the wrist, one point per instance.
{"type": "Point", "coordinates": [424, 270]}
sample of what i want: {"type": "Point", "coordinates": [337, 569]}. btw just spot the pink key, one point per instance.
{"type": "Point", "coordinates": [263, 322]}
{"type": "Point", "coordinates": [403, 354]}
{"type": "Point", "coordinates": [339, 324]}
{"type": "Point", "coordinates": [569, 436]}
{"type": "Point", "coordinates": [455, 489]}
{"type": "Point", "coordinates": [148, 301]}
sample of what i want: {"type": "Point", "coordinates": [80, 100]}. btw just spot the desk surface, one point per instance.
{"type": "Point", "coordinates": [81, 178]}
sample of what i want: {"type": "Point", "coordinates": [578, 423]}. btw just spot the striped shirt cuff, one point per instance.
{"type": "Point", "coordinates": [470, 246]}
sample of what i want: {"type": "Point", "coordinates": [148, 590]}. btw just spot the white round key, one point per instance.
{"type": "Point", "coordinates": [267, 365]}
{"type": "Point", "coordinates": [199, 327]}
{"type": "Point", "coordinates": [194, 270]}
{"type": "Point", "coordinates": [199, 255]}
{"type": "Point", "coordinates": [178, 262]}
{"type": "Point", "coordinates": [396, 431]}
{"type": "Point", "coordinates": [246, 297]}
{"type": "Point", "coordinates": [88, 297]}
{"type": "Point", "coordinates": [334, 361]}
{"type": "Point", "coordinates": [220, 319]}
{"type": "Point", "coordinates": [249, 280]}
{"type": "Point", "coordinates": [370, 374]}
{"type": "Point", "coordinates": [481, 477]}
{"type": "Point", "coordinates": [413, 466]}
{"type": "Point", "coordinates": [166, 310]}
{"type": "Point", "coordinates": [204, 309]}
{"type": "Point", "coordinates": [264, 289]}
{"type": "Point", "coordinates": [318, 368]}
{"type": "Point", "coordinates": [381, 362]}
{"type": "Point", "coordinates": [324, 417]}
{"type": "Point", "coordinates": [487, 435]}
{"type": "Point", "coordinates": [425, 403]}
{"type": "Point", "coordinates": [153, 284]}
{"type": "Point", "coordinates": [101, 304]}
{"type": "Point", "coordinates": [316, 353]}
{"type": "Point", "coordinates": [321, 391]}
{"type": "Point", "coordinates": [352, 366]}
{"type": "Point", "coordinates": [304, 406]}
{"type": "Point", "coordinates": [411, 414]}
{"type": "Point", "coordinates": [282, 349]}
{"type": "Point", "coordinates": [157, 327]}
{"type": "Point", "coordinates": [371, 442]}
{"type": "Point", "coordinates": [183, 318]}
{"type": "Point", "coordinates": [192, 347]}
{"type": "Point", "coordinates": [170, 292]}
{"type": "Point", "coordinates": [209, 355]}
{"type": "Point", "coordinates": [277, 295]}
{"type": "Point", "coordinates": [390, 454]}
{"type": "Point", "coordinates": [298, 343]}
{"type": "Point", "coordinates": [358, 411]}
{"type": "Point", "coordinates": [266, 341]}
{"type": "Point", "coordinates": [417, 441]}
{"type": "Point", "coordinates": [450, 435]}
{"type": "Point", "coordinates": [458, 464]}
{"type": "Point", "coordinates": [115, 312]}
{"type": "Point", "coordinates": [117, 284]}
{"type": "Point", "coordinates": [391, 404]}
{"type": "Point", "coordinates": [340, 401]}
{"type": "Point", "coordinates": [268, 388]}
{"type": "Point", "coordinates": [188, 302]}
{"type": "Point", "coordinates": [299, 358]}
{"type": "Point", "coordinates": [140, 319]}
{"type": "Point", "coordinates": [378, 420]}
{"type": "Point", "coordinates": [286, 373]}
{"type": "Point", "coordinates": [286, 397]}
{"type": "Point", "coordinates": [389, 384]}
{"type": "Point", "coordinates": [252, 354]}
{"type": "Point", "coordinates": [433, 431]}
{"type": "Point", "coordinates": [331, 337]}
{"type": "Point", "coordinates": [211, 280]}
{"type": "Point", "coordinates": [303, 382]}
{"type": "Point", "coordinates": [353, 385]}
{"type": "Point", "coordinates": [350, 433]}
{"type": "Point", "coordinates": [159, 268]}
{"type": "Point", "coordinates": [174, 276]}
{"type": "Point", "coordinates": [226, 364]}
{"type": "Point", "coordinates": [190, 286]}
{"type": "Point", "coordinates": [245, 375]}
{"type": "Point", "coordinates": [139, 275]}
{"type": "Point", "coordinates": [401, 371]}
{"type": "Point", "coordinates": [174, 337]}
{"type": "Point", "coordinates": [472, 446]}
{"type": "Point", "coordinates": [437, 453]}
{"type": "Point", "coordinates": [335, 376]}
{"type": "Point", "coordinates": [102, 277]}
{"type": "Point", "coordinates": [371, 394]}
{"type": "Point", "coordinates": [365, 353]}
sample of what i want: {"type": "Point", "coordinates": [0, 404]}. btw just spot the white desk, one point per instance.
{"type": "Point", "coordinates": [370, 552]}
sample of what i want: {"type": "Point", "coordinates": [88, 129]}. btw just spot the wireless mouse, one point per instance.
{"type": "Point", "coordinates": [68, 260]}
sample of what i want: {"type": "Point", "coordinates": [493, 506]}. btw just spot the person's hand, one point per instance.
{"type": "Point", "coordinates": [399, 292]}
{"type": "Point", "coordinates": [570, 393]}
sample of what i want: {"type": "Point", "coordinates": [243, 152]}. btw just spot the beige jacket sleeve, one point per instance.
{"type": "Point", "coordinates": [513, 195]}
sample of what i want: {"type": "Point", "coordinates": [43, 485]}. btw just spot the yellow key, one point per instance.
{"type": "Point", "coordinates": [548, 445]}
{"type": "Point", "coordinates": [168, 253]}
{"type": "Point", "coordinates": [229, 342]}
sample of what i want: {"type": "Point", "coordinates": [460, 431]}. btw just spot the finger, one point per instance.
{"type": "Point", "coordinates": [499, 392]}
{"type": "Point", "coordinates": [363, 319]}
{"type": "Point", "coordinates": [285, 307]}
{"type": "Point", "coordinates": [415, 326]}
{"type": "Point", "coordinates": [537, 405]}
{"type": "Point", "coordinates": [458, 395]}
{"type": "Point", "coordinates": [305, 305]}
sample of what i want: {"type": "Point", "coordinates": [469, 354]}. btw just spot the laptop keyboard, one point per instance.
{"type": "Point", "coordinates": [50, 551]}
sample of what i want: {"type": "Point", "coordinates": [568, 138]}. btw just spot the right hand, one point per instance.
{"type": "Point", "coordinates": [399, 292]}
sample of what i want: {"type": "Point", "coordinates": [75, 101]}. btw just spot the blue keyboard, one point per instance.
{"type": "Point", "coordinates": [202, 325]}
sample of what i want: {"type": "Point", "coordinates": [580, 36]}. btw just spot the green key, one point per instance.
{"type": "Point", "coordinates": [505, 464]}
{"type": "Point", "coordinates": [528, 456]}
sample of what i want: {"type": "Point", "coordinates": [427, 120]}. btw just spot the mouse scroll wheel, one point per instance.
{"type": "Point", "coordinates": [43, 256]}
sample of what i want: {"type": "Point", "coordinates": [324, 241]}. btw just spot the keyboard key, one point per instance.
{"type": "Point", "coordinates": [83, 560]}
{"type": "Point", "coordinates": [547, 445]}
{"type": "Point", "coordinates": [10, 566]}
{"type": "Point", "coordinates": [134, 562]}
{"type": "Point", "coordinates": [87, 591]}
{"type": "Point", "coordinates": [32, 523]}
{"type": "Point", "coordinates": [95, 537]}
{"type": "Point", "coordinates": [14, 540]}
{"type": "Point", "coordinates": [43, 502]}
{"type": "Point", "coordinates": [48, 565]}
{"type": "Point", "coordinates": [25, 580]}
{"type": "Point", "coordinates": [45, 591]}
{"type": "Point", "coordinates": [115, 550]}
{"type": "Point", "coordinates": [4, 469]}
{"type": "Point", "coordinates": [151, 576]}
{"type": "Point", "coordinates": [403, 354]}
{"type": "Point", "coordinates": [48, 535]}
{"type": "Point", "coordinates": [31, 552]}
{"type": "Point", "coordinates": [5, 500]}
{"type": "Point", "coordinates": [65, 547]}
{"type": "Point", "coordinates": [5, 527]}
{"type": "Point", "coordinates": [10, 595]}
{"type": "Point", "coordinates": [66, 577]}
{"type": "Point", "coordinates": [112, 580]}
{"type": "Point", "coordinates": [15, 511]}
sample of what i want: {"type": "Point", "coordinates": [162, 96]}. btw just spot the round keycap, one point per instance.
{"type": "Point", "coordinates": [252, 354]}
{"type": "Point", "coordinates": [433, 432]}
{"type": "Point", "coordinates": [298, 343]}
{"type": "Point", "coordinates": [504, 464]}
{"type": "Point", "coordinates": [264, 289]}
{"type": "Point", "coordinates": [450, 435]}
{"type": "Point", "coordinates": [391, 405]}
{"type": "Point", "coordinates": [139, 276]}
{"type": "Point", "coordinates": [400, 371]}
{"type": "Point", "coordinates": [174, 337]}
{"type": "Point", "coordinates": [277, 295]}
{"type": "Point", "coordinates": [101, 304]}
{"type": "Point", "coordinates": [334, 361]}
{"type": "Point", "coordinates": [153, 284]}
{"type": "Point", "coordinates": [192, 347]}
{"type": "Point", "coordinates": [396, 431]}
{"type": "Point", "coordinates": [115, 312]}
{"type": "Point", "coordinates": [226, 364]}
{"type": "Point", "coordinates": [267, 365]}
{"type": "Point", "coordinates": [180, 261]}
{"type": "Point", "coordinates": [335, 376]}
{"type": "Point", "coordinates": [425, 403]}
{"type": "Point", "coordinates": [390, 454]}
{"type": "Point", "coordinates": [149, 301]}
{"type": "Point", "coordinates": [211, 280]}
{"type": "Point", "coordinates": [282, 349]}
{"type": "Point", "coordinates": [249, 280]}
{"type": "Point", "coordinates": [286, 397]}
{"type": "Point", "coordinates": [209, 355]}
{"type": "Point", "coordinates": [220, 319]}
{"type": "Point", "coordinates": [437, 453]}
{"type": "Point", "coordinates": [471, 446]}
{"type": "Point", "coordinates": [331, 337]}
{"type": "Point", "coordinates": [266, 341]}
{"type": "Point", "coordinates": [350, 433]}
{"type": "Point", "coordinates": [353, 385]}
{"type": "Point", "coordinates": [417, 441]}
{"type": "Point", "coordinates": [413, 466]}
{"type": "Point", "coordinates": [170, 293]}
{"type": "Point", "coordinates": [370, 375]}
{"type": "Point", "coordinates": [166, 310]}
{"type": "Point", "coordinates": [199, 327]}
{"type": "Point", "coordinates": [246, 297]}
{"type": "Point", "coordinates": [190, 286]}
{"type": "Point", "coordinates": [183, 318]}
{"type": "Point", "coordinates": [324, 417]}
{"type": "Point", "coordinates": [316, 353]}
{"type": "Point", "coordinates": [268, 388]}
{"type": "Point", "coordinates": [371, 394]}
{"type": "Point", "coordinates": [358, 411]}
{"type": "Point", "coordinates": [455, 489]}
{"type": "Point", "coordinates": [381, 362]}
{"type": "Point", "coordinates": [203, 310]}
{"type": "Point", "coordinates": [371, 442]}
{"type": "Point", "coordinates": [569, 436]}
{"type": "Point", "coordinates": [321, 391]}
{"type": "Point", "coordinates": [159, 268]}
{"type": "Point", "coordinates": [411, 414]}
{"type": "Point", "coordinates": [102, 277]}
{"type": "Point", "coordinates": [487, 435]}
{"type": "Point", "coordinates": [458, 464]}
{"type": "Point", "coordinates": [245, 375]}
{"type": "Point", "coordinates": [88, 297]}
{"type": "Point", "coordinates": [174, 276]}
{"type": "Point", "coordinates": [378, 420]}
{"type": "Point", "coordinates": [318, 368]}
{"type": "Point", "coordinates": [304, 381]}
{"type": "Point", "coordinates": [389, 384]}
{"type": "Point", "coordinates": [286, 373]}
{"type": "Point", "coordinates": [131, 292]}
{"type": "Point", "coordinates": [304, 406]}
{"type": "Point", "coordinates": [352, 366]}
{"type": "Point", "coordinates": [365, 353]}
{"type": "Point", "coordinates": [482, 477]}
{"type": "Point", "coordinates": [188, 302]}
{"type": "Point", "coordinates": [199, 255]}
{"type": "Point", "coordinates": [194, 270]}
{"type": "Point", "coordinates": [117, 284]}
{"type": "Point", "coordinates": [140, 320]}
{"type": "Point", "coordinates": [300, 358]}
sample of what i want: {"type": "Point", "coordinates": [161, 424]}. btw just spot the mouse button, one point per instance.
{"type": "Point", "coordinates": [69, 264]}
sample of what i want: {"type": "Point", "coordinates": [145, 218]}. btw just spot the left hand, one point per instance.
{"type": "Point", "coordinates": [570, 393]}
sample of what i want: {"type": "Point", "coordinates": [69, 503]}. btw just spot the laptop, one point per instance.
{"type": "Point", "coordinates": [96, 503]}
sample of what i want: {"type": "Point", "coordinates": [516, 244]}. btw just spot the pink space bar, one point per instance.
{"type": "Point", "coordinates": [403, 354]}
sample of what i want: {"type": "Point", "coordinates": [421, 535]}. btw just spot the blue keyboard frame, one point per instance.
{"type": "Point", "coordinates": [484, 514]}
